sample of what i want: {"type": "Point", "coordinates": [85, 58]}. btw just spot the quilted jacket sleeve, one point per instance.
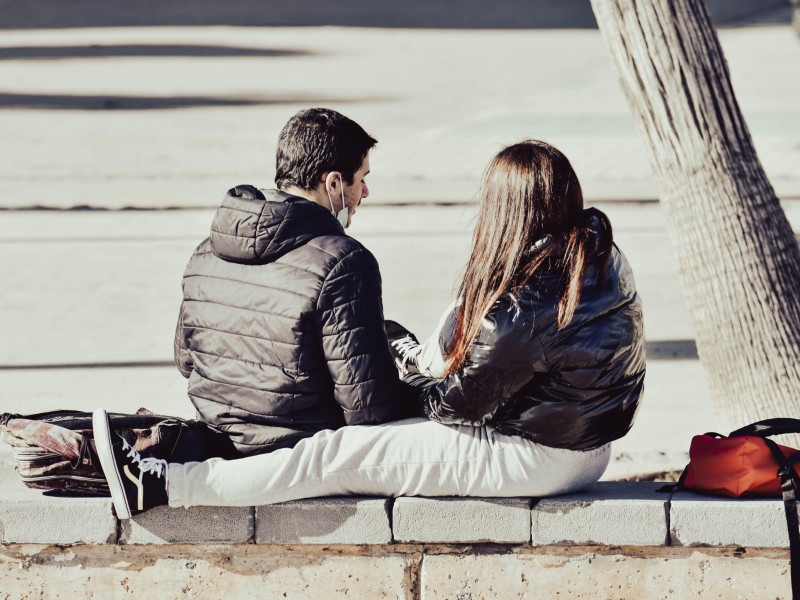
{"type": "Point", "coordinates": [183, 359]}
{"type": "Point", "coordinates": [350, 322]}
{"type": "Point", "coordinates": [497, 365]}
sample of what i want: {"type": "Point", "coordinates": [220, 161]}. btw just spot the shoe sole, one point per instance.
{"type": "Point", "coordinates": [102, 436]}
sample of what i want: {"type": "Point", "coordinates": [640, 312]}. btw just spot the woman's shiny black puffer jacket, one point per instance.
{"type": "Point", "coordinates": [576, 388]}
{"type": "Point", "coordinates": [281, 327]}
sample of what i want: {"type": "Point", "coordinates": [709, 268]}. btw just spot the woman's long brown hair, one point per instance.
{"type": "Point", "coordinates": [529, 192]}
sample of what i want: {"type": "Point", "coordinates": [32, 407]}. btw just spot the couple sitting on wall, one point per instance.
{"type": "Point", "coordinates": [532, 373]}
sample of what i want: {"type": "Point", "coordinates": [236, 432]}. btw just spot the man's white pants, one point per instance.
{"type": "Point", "coordinates": [415, 457]}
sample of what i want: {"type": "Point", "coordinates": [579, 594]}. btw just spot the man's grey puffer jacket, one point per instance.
{"type": "Point", "coordinates": [281, 328]}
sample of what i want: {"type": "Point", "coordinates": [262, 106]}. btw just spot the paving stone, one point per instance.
{"type": "Point", "coordinates": [611, 513]}
{"type": "Point", "coordinates": [465, 520]}
{"type": "Point", "coordinates": [29, 517]}
{"type": "Point", "coordinates": [199, 524]}
{"type": "Point", "coordinates": [698, 520]}
{"type": "Point", "coordinates": [351, 520]}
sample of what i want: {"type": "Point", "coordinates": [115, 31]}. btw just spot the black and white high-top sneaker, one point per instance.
{"type": "Point", "coordinates": [135, 483]}
{"type": "Point", "coordinates": [404, 346]}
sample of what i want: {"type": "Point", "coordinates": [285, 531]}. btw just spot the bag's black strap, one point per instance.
{"type": "Point", "coordinates": [790, 508]}
{"type": "Point", "coordinates": [769, 427]}
{"type": "Point", "coordinates": [789, 486]}
{"type": "Point", "coordinates": [6, 417]}
{"type": "Point", "coordinates": [671, 488]}
{"type": "Point", "coordinates": [84, 458]}
{"type": "Point", "coordinates": [77, 420]}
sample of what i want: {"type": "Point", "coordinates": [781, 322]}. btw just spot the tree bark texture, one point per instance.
{"type": "Point", "coordinates": [739, 259]}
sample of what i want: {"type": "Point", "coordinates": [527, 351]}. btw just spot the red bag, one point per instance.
{"type": "Point", "coordinates": [745, 464]}
{"type": "Point", "coordinates": [736, 466]}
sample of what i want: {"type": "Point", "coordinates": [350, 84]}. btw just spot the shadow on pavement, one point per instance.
{"type": "Point", "coordinates": [445, 14]}
{"type": "Point", "coordinates": [112, 102]}
{"type": "Point", "coordinates": [139, 50]}
{"type": "Point", "coordinates": [671, 350]}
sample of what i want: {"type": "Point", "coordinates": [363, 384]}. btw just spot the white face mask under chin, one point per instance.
{"type": "Point", "coordinates": [342, 215]}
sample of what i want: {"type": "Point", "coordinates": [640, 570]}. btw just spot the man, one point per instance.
{"type": "Point", "coordinates": [281, 331]}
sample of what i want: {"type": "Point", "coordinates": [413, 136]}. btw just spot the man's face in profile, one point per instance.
{"type": "Point", "coordinates": [353, 194]}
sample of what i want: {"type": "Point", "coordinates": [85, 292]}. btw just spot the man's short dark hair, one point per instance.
{"type": "Point", "coordinates": [318, 140]}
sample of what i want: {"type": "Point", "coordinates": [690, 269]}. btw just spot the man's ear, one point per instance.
{"type": "Point", "coordinates": [331, 180]}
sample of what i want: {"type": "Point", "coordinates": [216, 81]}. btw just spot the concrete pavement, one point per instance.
{"type": "Point", "coordinates": [90, 305]}
{"type": "Point", "coordinates": [158, 117]}
{"type": "Point", "coordinates": [171, 117]}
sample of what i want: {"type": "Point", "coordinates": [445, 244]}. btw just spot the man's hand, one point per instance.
{"type": "Point", "coordinates": [404, 346]}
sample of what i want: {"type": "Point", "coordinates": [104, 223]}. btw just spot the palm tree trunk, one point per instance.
{"type": "Point", "coordinates": [739, 260]}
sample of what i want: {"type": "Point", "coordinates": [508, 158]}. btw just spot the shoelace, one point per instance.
{"type": "Point", "coordinates": [156, 466]}
{"type": "Point", "coordinates": [132, 454]}
{"type": "Point", "coordinates": [408, 347]}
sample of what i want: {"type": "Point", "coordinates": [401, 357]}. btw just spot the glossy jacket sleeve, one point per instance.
{"type": "Point", "coordinates": [350, 321]}
{"type": "Point", "coordinates": [497, 365]}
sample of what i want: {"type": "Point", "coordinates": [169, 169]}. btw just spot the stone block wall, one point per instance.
{"type": "Point", "coordinates": [618, 540]}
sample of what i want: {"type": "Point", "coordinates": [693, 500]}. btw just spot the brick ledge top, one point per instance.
{"type": "Point", "coordinates": [610, 514]}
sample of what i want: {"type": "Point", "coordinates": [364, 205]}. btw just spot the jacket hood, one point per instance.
{"type": "Point", "coordinates": [252, 227]}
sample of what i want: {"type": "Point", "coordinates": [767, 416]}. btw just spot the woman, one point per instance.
{"type": "Point", "coordinates": [534, 372]}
